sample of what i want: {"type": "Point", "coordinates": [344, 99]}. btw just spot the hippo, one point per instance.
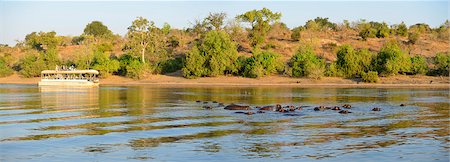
{"type": "Point", "coordinates": [237, 107]}
{"type": "Point", "coordinates": [198, 101]}
{"type": "Point", "coordinates": [205, 102]}
{"type": "Point", "coordinates": [336, 108]}
{"type": "Point", "coordinates": [249, 113]}
{"type": "Point", "coordinates": [348, 106]}
{"type": "Point", "coordinates": [376, 109]}
{"type": "Point", "coordinates": [259, 111]}
{"type": "Point", "coordinates": [207, 107]}
{"type": "Point", "coordinates": [214, 102]}
{"type": "Point", "coordinates": [402, 105]}
{"type": "Point", "coordinates": [344, 112]}
{"type": "Point", "coordinates": [269, 108]}
{"type": "Point", "coordinates": [239, 112]}
{"type": "Point", "coordinates": [320, 108]}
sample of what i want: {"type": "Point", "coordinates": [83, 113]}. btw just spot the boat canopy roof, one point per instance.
{"type": "Point", "coordinates": [70, 72]}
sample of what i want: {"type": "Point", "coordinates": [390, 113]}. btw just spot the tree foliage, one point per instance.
{"type": "Point", "coordinates": [401, 29]}
{"type": "Point", "coordinates": [306, 63]}
{"type": "Point", "coordinates": [262, 64]}
{"type": "Point", "coordinates": [352, 62]}
{"type": "Point", "coordinates": [213, 56]}
{"type": "Point", "coordinates": [442, 62]}
{"type": "Point", "coordinates": [370, 77]}
{"type": "Point", "coordinates": [42, 41]}
{"type": "Point", "coordinates": [260, 21]}
{"type": "Point", "coordinates": [146, 40]}
{"type": "Point", "coordinates": [419, 65]}
{"type": "Point", "coordinates": [320, 23]}
{"type": "Point", "coordinates": [215, 21]}
{"type": "Point", "coordinates": [392, 60]}
{"type": "Point", "coordinates": [97, 29]}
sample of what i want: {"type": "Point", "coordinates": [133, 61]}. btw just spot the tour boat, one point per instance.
{"type": "Point", "coordinates": [69, 78]}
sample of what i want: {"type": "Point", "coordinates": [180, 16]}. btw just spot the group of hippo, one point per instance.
{"type": "Point", "coordinates": [283, 109]}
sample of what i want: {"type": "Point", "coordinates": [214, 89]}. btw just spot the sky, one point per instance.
{"type": "Point", "coordinates": [19, 18]}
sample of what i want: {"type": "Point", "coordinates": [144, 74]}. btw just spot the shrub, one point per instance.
{"type": "Point", "coordinates": [347, 61]}
{"type": "Point", "coordinates": [331, 70]}
{"type": "Point", "coordinates": [370, 77]}
{"type": "Point", "coordinates": [413, 37]}
{"type": "Point", "coordinates": [215, 55]}
{"type": "Point", "coordinates": [31, 65]}
{"type": "Point", "coordinates": [261, 64]}
{"type": "Point", "coordinates": [4, 69]}
{"type": "Point", "coordinates": [351, 63]}
{"type": "Point", "coordinates": [171, 65]}
{"type": "Point", "coordinates": [392, 60]}
{"type": "Point", "coordinates": [131, 67]}
{"type": "Point", "coordinates": [418, 65]}
{"type": "Point", "coordinates": [296, 33]}
{"type": "Point", "coordinates": [306, 63]}
{"type": "Point", "coordinates": [442, 63]}
{"type": "Point", "coordinates": [104, 64]}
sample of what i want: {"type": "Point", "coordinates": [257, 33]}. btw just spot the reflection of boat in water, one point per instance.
{"type": "Point", "coordinates": [70, 78]}
{"type": "Point", "coordinates": [65, 97]}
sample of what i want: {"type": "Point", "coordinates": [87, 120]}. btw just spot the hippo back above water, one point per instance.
{"type": "Point", "coordinates": [237, 107]}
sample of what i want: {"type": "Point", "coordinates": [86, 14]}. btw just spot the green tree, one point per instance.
{"type": "Point", "coordinates": [306, 63]}
{"type": "Point", "coordinates": [352, 62]}
{"type": "Point", "coordinates": [97, 29]}
{"type": "Point", "coordinates": [347, 61]}
{"type": "Point", "coordinates": [442, 63]}
{"type": "Point", "coordinates": [31, 65]}
{"type": "Point", "coordinates": [166, 29]}
{"type": "Point", "coordinates": [194, 64]}
{"type": "Point", "coordinates": [214, 56]}
{"type": "Point", "coordinates": [392, 60]}
{"type": "Point", "coordinates": [131, 67]}
{"type": "Point", "coordinates": [413, 37]}
{"type": "Point", "coordinates": [260, 21]}
{"type": "Point", "coordinates": [401, 29]}
{"type": "Point", "coordinates": [42, 41]}
{"type": "Point", "coordinates": [146, 39]}
{"type": "Point", "coordinates": [418, 65]}
{"type": "Point", "coordinates": [215, 20]}
{"type": "Point", "coordinates": [370, 77]}
{"type": "Point", "coordinates": [5, 70]}
{"type": "Point", "coordinates": [296, 33]}
{"type": "Point", "coordinates": [262, 64]}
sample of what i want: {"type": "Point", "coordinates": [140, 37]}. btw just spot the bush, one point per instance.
{"type": "Point", "coordinates": [171, 65]}
{"type": "Point", "coordinates": [306, 63]}
{"type": "Point", "coordinates": [104, 64]}
{"type": "Point", "coordinates": [216, 55]}
{"type": "Point", "coordinates": [261, 64]}
{"type": "Point", "coordinates": [370, 77]}
{"type": "Point", "coordinates": [392, 60]}
{"type": "Point", "coordinates": [194, 64]}
{"type": "Point", "coordinates": [331, 70]}
{"type": "Point", "coordinates": [31, 65]}
{"type": "Point", "coordinates": [4, 69]}
{"type": "Point", "coordinates": [413, 37]}
{"type": "Point", "coordinates": [418, 65]}
{"type": "Point", "coordinates": [296, 33]}
{"type": "Point", "coordinates": [442, 63]}
{"type": "Point", "coordinates": [131, 67]}
{"type": "Point", "coordinates": [347, 61]}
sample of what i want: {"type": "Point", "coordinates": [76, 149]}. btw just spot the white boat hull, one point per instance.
{"type": "Point", "coordinates": [71, 83]}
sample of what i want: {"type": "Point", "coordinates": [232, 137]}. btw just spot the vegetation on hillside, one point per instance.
{"type": "Point", "coordinates": [252, 44]}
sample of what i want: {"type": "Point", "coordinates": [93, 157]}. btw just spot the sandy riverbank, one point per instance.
{"type": "Point", "coordinates": [167, 80]}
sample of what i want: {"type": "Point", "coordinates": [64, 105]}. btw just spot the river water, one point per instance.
{"type": "Point", "coordinates": [151, 123]}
